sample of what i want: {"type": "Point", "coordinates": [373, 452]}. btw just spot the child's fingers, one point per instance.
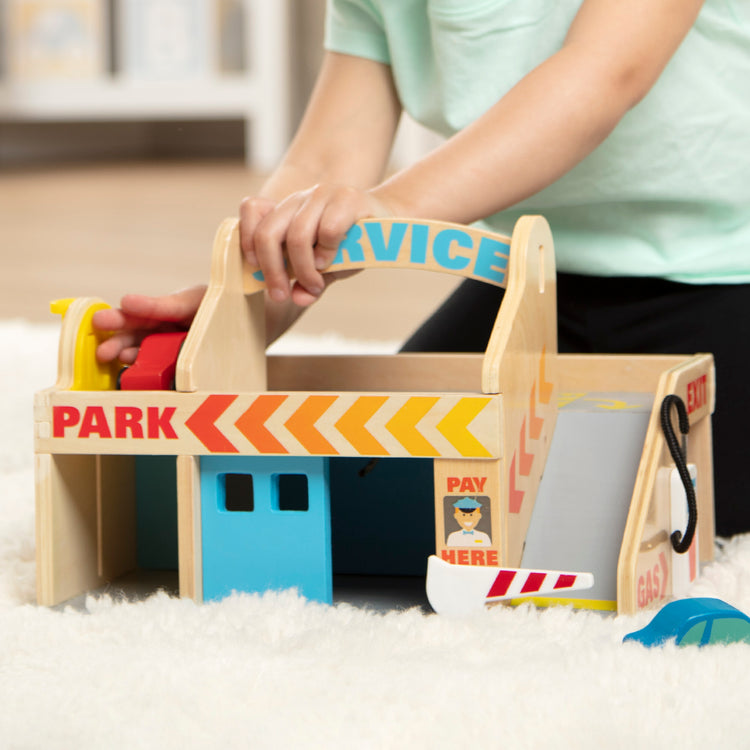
{"type": "Point", "coordinates": [139, 315]}
{"type": "Point", "coordinates": [252, 211]}
{"type": "Point", "coordinates": [178, 307]}
{"type": "Point", "coordinates": [301, 238]}
{"type": "Point", "coordinates": [336, 220]}
{"type": "Point", "coordinates": [112, 348]}
{"type": "Point", "coordinates": [109, 319]}
{"type": "Point", "coordinates": [141, 312]}
{"type": "Point", "coordinates": [129, 355]}
{"type": "Point", "coordinates": [320, 226]}
{"type": "Point", "coordinates": [301, 296]}
{"type": "Point", "coordinates": [269, 241]}
{"type": "Point", "coordinates": [307, 227]}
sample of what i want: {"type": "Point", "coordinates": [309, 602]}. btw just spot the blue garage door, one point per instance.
{"type": "Point", "coordinates": [265, 525]}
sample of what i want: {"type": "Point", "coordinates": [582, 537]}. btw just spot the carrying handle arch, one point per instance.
{"type": "Point", "coordinates": [415, 244]}
{"type": "Point", "coordinates": [230, 322]}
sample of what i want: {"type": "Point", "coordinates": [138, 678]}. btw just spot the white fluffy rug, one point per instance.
{"type": "Point", "coordinates": [277, 672]}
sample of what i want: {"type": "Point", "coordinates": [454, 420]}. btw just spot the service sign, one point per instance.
{"type": "Point", "coordinates": [434, 246]}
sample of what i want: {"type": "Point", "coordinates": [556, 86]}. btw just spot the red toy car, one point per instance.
{"type": "Point", "coordinates": [155, 365]}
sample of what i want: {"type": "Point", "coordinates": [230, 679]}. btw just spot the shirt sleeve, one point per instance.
{"type": "Point", "coordinates": [355, 27]}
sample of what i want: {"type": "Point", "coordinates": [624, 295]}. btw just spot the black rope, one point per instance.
{"type": "Point", "coordinates": [680, 543]}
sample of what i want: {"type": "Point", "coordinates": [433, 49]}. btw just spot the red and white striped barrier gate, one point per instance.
{"type": "Point", "coordinates": [462, 589]}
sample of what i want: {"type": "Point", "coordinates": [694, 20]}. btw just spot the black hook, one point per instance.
{"type": "Point", "coordinates": [680, 543]}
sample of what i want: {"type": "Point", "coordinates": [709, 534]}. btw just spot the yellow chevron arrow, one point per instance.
{"type": "Point", "coordinates": [403, 425]}
{"type": "Point", "coordinates": [454, 426]}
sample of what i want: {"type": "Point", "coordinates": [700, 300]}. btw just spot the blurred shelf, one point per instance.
{"type": "Point", "coordinates": [225, 96]}
{"type": "Point", "coordinates": [259, 95]}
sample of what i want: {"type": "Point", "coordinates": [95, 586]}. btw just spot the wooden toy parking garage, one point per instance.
{"type": "Point", "coordinates": [511, 474]}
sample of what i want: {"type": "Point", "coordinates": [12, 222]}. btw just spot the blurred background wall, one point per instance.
{"type": "Point", "coordinates": [130, 128]}
{"type": "Point", "coordinates": [93, 79]}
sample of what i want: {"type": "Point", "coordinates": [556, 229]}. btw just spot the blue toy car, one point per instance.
{"type": "Point", "coordinates": [695, 621]}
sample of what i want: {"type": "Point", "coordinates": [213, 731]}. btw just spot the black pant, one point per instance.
{"type": "Point", "coordinates": [636, 316]}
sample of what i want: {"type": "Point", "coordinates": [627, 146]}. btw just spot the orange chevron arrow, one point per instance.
{"type": "Point", "coordinates": [525, 459]}
{"type": "Point", "coordinates": [545, 387]}
{"type": "Point", "coordinates": [403, 425]}
{"type": "Point", "coordinates": [202, 424]}
{"type": "Point", "coordinates": [515, 497]}
{"type": "Point", "coordinates": [535, 423]}
{"type": "Point", "coordinates": [302, 424]}
{"type": "Point", "coordinates": [352, 425]}
{"type": "Point", "coordinates": [454, 426]}
{"type": "Point", "coordinates": [252, 423]}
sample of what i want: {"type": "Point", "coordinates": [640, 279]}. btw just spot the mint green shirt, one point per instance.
{"type": "Point", "coordinates": [666, 195]}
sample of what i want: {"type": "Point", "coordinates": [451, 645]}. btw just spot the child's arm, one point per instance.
{"type": "Point", "coordinates": [554, 117]}
{"type": "Point", "coordinates": [345, 137]}
{"type": "Point", "coordinates": [558, 114]}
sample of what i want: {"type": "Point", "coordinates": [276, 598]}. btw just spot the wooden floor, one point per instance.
{"type": "Point", "coordinates": [104, 230]}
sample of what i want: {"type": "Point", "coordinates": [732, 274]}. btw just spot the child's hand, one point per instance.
{"type": "Point", "coordinates": [138, 316]}
{"type": "Point", "coordinates": [299, 236]}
